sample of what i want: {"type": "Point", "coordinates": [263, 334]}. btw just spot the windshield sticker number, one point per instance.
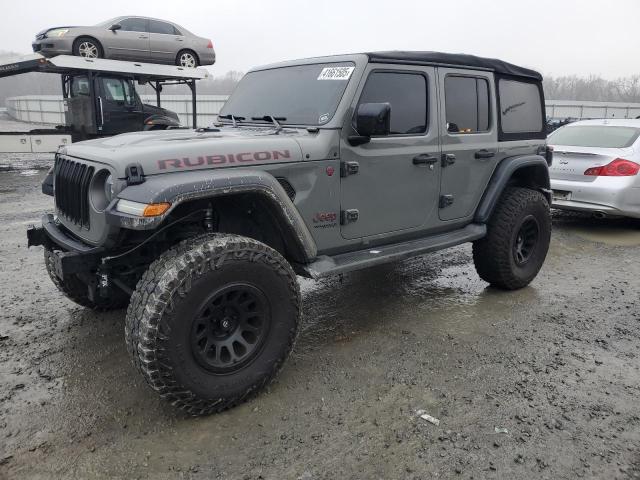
{"type": "Point", "coordinates": [336, 73]}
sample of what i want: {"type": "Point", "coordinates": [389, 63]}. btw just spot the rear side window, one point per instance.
{"type": "Point", "coordinates": [520, 107]}
{"type": "Point", "coordinates": [467, 104]}
{"type": "Point", "coordinates": [602, 136]}
{"type": "Point", "coordinates": [134, 25]}
{"type": "Point", "coordinates": [407, 95]}
{"type": "Point", "coordinates": [161, 27]}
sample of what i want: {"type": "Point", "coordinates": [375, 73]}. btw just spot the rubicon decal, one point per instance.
{"type": "Point", "coordinates": [224, 159]}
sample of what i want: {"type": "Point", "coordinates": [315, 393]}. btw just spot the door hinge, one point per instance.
{"type": "Point", "coordinates": [445, 200]}
{"type": "Point", "coordinates": [349, 216]}
{"type": "Point", "coordinates": [448, 159]}
{"type": "Point", "coordinates": [349, 168]}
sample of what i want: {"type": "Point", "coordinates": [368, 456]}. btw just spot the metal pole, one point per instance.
{"type": "Point", "coordinates": [158, 94]}
{"type": "Point", "coordinates": [193, 104]}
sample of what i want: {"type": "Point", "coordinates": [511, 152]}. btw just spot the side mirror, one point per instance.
{"type": "Point", "coordinates": [371, 119]}
{"type": "Point", "coordinates": [115, 26]}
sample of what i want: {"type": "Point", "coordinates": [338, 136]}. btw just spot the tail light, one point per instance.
{"type": "Point", "coordinates": [618, 168]}
{"type": "Point", "coordinates": [210, 44]}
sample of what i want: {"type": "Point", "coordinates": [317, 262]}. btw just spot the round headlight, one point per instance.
{"type": "Point", "coordinates": [108, 188]}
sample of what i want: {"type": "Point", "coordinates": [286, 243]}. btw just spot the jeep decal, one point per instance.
{"type": "Point", "coordinates": [224, 159]}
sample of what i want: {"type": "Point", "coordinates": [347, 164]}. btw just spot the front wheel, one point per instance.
{"type": "Point", "coordinates": [518, 234]}
{"type": "Point", "coordinates": [212, 321]}
{"type": "Point", "coordinates": [88, 48]}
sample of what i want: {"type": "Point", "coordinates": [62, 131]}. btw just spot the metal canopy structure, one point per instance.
{"type": "Point", "coordinates": [153, 74]}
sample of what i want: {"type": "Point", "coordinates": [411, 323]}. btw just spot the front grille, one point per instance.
{"type": "Point", "coordinates": [71, 183]}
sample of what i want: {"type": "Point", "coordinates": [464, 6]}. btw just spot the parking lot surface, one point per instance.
{"type": "Point", "coordinates": [538, 383]}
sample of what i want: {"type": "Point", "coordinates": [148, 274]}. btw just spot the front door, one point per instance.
{"type": "Point", "coordinates": [120, 110]}
{"type": "Point", "coordinates": [390, 184]}
{"type": "Point", "coordinates": [469, 139]}
{"type": "Point", "coordinates": [130, 42]}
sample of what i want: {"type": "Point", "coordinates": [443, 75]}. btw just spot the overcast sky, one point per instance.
{"type": "Point", "coordinates": [556, 37]}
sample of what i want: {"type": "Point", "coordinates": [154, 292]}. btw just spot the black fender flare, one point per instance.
{"type": "Point", "coordinates": [503, 174]}
{"type": "Point", "coordinates": [178, 188]}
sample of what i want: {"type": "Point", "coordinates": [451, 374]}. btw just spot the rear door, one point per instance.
{"type": "Point", "coordinates": [165, 41]}
{"type": "Point", "coordinates": [392, 183]}
{"type": "Point", "coordinates": [131, 42]}
{"type": "Point", "coordinates": [469, 139]}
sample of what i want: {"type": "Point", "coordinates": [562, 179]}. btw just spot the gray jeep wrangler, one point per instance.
{"type": "Point", "coordinates": [316, 167]}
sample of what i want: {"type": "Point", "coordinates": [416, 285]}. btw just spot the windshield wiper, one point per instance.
{"type": "Point", "coordinates": [234, 118]}
{"type": "Point", "coordinates": [272, 119]}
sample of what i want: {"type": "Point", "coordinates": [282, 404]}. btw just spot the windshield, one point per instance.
{"type": "Point", "coordinates": [298, 95]}
{"type": "Point", "coordinates": [595, 136]}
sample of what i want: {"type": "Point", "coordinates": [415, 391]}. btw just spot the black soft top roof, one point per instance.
{"type": "Point", "coordinates": [453, 59]}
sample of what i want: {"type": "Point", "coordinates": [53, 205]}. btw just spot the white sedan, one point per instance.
{"type": "Point", "coordinates": [595, 167]}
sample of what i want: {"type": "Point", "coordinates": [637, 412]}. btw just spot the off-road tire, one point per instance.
{"type": "Point", "coordinates": [76, 47]}
{"type": "Point", "coordinates": [163, 312]}
{"type": "Point", "coordinates": [76, 290]}
{"type": "Point", "coordinates": [494, 256]}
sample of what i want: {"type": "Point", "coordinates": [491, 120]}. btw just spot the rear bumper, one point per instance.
{"type": "Point", "coordinates": [610, 195]}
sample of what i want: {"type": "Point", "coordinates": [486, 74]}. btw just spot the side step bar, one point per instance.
{"type": "Point", "coordinates": [325, 265]}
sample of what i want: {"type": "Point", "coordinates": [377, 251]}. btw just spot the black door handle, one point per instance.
{"type": "Point", "coordinates": [424, 159]}
{"type": "Point", "coordinates": [484, 154]}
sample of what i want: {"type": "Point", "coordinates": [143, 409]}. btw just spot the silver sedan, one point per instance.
{"type": "Point", "coordinates": [595, 167]}
{"type": "Point", "coordinates": [138, 39]}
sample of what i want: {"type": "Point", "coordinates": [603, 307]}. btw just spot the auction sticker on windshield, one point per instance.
{"type": "Point", "coordinates": [336, 73]}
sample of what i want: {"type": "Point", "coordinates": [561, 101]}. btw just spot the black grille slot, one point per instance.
{"type": "Point", "coordinates": [71, 182]}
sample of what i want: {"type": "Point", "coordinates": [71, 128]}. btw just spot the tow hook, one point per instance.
{"type": "Point", "coordinates": [103, 282]}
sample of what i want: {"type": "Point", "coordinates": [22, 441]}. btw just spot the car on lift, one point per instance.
{"type": "Point", "coordinates": [130, 38]}
{"type": "Point", "coordinates": [100, 99]}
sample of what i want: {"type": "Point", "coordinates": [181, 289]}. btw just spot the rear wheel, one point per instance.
{"type": "Point", "coordinates": [517, 240]}
{"type": "Point", "coordinates": [187, 58]}
{"type": "Point", "coordinates": [87, 47]}
{"type": "Point", "coordinates": [212, 321]}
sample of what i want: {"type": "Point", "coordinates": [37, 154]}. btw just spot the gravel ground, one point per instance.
{"type": "Point", "coordinates": [539, 383]}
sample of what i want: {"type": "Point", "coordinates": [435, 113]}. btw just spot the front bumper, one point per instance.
{"type": "Point", "coordinates": [50, 47]}
{"type": "Point", "coordinates": [615, 196]}
{"type": "Point", "coordinates": [70, 255]}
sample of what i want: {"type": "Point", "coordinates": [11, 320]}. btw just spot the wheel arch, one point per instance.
{"type": "Point", "coordinates": [236, 196]}
{"type": "Point", "coordinates": [529, 171]}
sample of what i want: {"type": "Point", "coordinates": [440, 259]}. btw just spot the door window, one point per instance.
{"type": "Point", "coordinates": [134, 25]}
{"type": "Point", "coordinates": [467, 104]}
{"type": "Point", "coordinates": [80, 86]}
{"type": "Point", "coordinates": [162, 27]}
{"type": "Point", "coordinates": [118, 90]}
{"type": "Point", "coordinates": [407, 95]}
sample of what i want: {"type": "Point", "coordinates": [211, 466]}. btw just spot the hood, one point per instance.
{"type": "Point", "coordinates": [168, 151]}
